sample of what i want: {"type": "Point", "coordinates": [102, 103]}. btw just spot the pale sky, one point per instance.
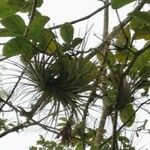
{"type": "Point", "coordinates": [61, 11]}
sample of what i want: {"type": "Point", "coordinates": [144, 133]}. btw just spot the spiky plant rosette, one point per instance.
{"type": "Point", "coordinates": [59, 81]}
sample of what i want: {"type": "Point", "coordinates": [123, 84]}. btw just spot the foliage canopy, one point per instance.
{"type": "Point", "coordinates": [58, 84]}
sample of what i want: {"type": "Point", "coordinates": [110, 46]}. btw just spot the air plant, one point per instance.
{"type": "Point", "coordinates": [58, 81]}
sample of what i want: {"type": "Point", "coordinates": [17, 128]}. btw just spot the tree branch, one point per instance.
{"type": "Point", "coordinates": [27, 123]}
{"type": "Point", "coordinates": [16, 128]}
{"type": "Point", "coordinates": [12, 92]}
{"type": "Point", "coordinates": [84, 18]}
{"type": "Point", "coordinates": [106, 107]}
{"type": "Point", "coordinates": [3, 59]}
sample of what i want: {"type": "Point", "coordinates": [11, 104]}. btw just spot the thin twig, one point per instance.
{"type": "Point", "coordinates": [3, 59]}
{"type": "Point", "coordinates": [84, 18]}
{"type": "Point", "coordinates": [27, 123]}
{"type": "Point", "coordinates": [12, 92]}
{"type": "Point", "coordinates": [16, 128]}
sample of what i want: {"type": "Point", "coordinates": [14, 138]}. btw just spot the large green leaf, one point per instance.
{"type": "Point", "coordinates": [123, 37]}
{"type": "Point", "coordinates": [67, 32]}
{"type": "Point", "coordinates": [140, 16]}
{"type": "Point", "coordinates": [6, 33]}
{"type": "Point", "coordinates": [142, 60]}
{"type": "Point", "coordinates": [14, 24]}
{"type": "Point", "coordinates": [76, 42]}
{"type": "Point", "coordinates": [16, 3]}
{"type": "Point", "coordinates": [135, 25]}
{"type": "Point", "coordinates": [143, 33]}
{"type": "Point", "coordinates": [37, 26]}
{"type": "Point", "coordinates": [122, 43]}
{"type": "Point", "coordinates": [30, 3]}
{"type": "Point", "coordinates": [127, 114]}
{"type": "Point", "coordinates": [52, 46]}
{"type": "Point", "coordinates": [46, 40]}
{"type": "Point", "coordinates": [17, 46]}
{"type": "Point", "coordinates": [6, 9]}
{"type": "Point", "coordinates": [119, 3]}
{"type": "Point", "coordinates": [24, 5]}
{"type": "Point", "coordinates": [147, 1]}
{"type": "Point", "coordinates": [141, 67]}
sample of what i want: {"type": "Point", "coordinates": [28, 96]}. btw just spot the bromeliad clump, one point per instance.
{"type": "Point", "coordinates": [59, 81]}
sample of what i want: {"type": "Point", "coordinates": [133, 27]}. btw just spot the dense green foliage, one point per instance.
{"type": "Point", "coordinates": [64, 79]}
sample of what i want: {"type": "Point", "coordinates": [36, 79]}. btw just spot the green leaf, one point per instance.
{"type": "Point", "coordinates": [147, 1]}
{"type": "Point", "coordinates": [40, 142]}
{"type": "Point", "coordinates": [143, 33]}
{"type": "Point", "coordinates": [120, 3]}
{"type": "Point", "coordinates": [17, 46]}
{"type": "Point", "coordinates": [141, 67]}
{"type": "Point", "coordinates": [24, 5]}
{"type": "Point", "coordinates": [52, 47]}
{"type": "Point", "coordinates": [127, 114]}
{"type": "Point", "coordinates": [37, 26]}
{"type": "Point", "coordinates": [6, 9]}
{"type": "Point", "coordinates": [123, 139]}
{"type": "Point", "coordinates": [111, 58]}
{"type": "Point", "coordinates": [33, 148]}
{"type": "Point", "coordinates": [39, 3]}
{"type": "Point", "coordinates": [67, 32]}
{"type": "Point", "coordinates": [93, 147]}
{"type": "Point", "coordinates": [65, 47]}
{"type": "Point", "coordinates": [61, 124]}
{"type": "Point", "coordinates": [79, 146]}
{"type": "Point", "coordinates": [6, 33]}
{"type": "Point", "coordinates": [112, 94]}
{"type": "Point", "coordinates": [123, 37]}
{"type": "Point", "coordinates": [47, 41]}
{"type": "Point", "coordinates": [140, 16]}
{"type": "Point", "coordinates": [63, 119]}
{"type": "Point", "coordinates": [135, 25]}
{"type": "Point", "coordinates": [16, 3]}
{"type": "Point", "coordinates": [30, 2]}
{"type": "Point", "coordinates": [122, 56]}
{"type": "Point", "coordinates": [146, 90]}
{"type": "Point", "coordinates": [14, 24]}
{"type": "Point", "coordinates": [76, 42]}
{"type": "Point", "coordinates": [142, 60]}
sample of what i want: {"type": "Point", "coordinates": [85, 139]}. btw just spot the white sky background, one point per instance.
{"type": "Point", "coordinates": [61, 11]}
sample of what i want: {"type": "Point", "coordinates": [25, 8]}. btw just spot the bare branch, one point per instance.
{"type": "Point", "coordinates": [3, 59]}
{"type": "Point", "coordinates": [16, 128]}
{"type": "Point", "coordinates": [84, 18]}
{"type": "Point", "coordinates": [12, 92]}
